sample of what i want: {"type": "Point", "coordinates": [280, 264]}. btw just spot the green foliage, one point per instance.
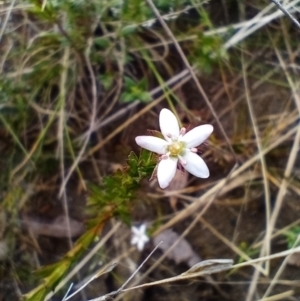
{"type": "Point", "coordinates": [128, 30]}
{"type": "Point", "coordinates": [135, 91]}
{"type": "Point", "coordinates": [206, 52]}
{"type": "Point", "coordinates": [52, 274]}
{"type": "Point", "coordinates": [113, 198]}
{"type": "Point", "coordinates": [106, 80]}
{"type": "Point", "coordinates": [117, 191]}
{"type": "Point", "coordinates": [45, 94]}
{"type": "Point", "coordinates": [250, 251]}
{"type": "Point", "coordinates": [292, 236]}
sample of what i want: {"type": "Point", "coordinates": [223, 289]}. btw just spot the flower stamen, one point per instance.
{"type": "Point", "coordinates": [176, 148]}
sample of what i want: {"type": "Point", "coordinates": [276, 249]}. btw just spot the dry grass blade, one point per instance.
{"type": "Point", "coordinates": [7, 16]}
{"type": "Point", "coordinates": [281, 296]}
{"type": "Point", "coordinates": [121, 112]}
{"type": "Point", "coordinates": [193, 75]}
{"type": "Point", "coordinates": [289, 167]}
{"type": "Point", "coordinates": [256, 23]}
{"type": "Point", "coordinates": [280, 271]}
{"type": "Point", "coordinates": [286, 12]}
{"type": "Point", "coordinates": [229, 244]}
{"type": "Point", "coordinates": [136, 116]}
{"type": "Point", "coordinates": [81, 79]}
{"type": "Point", "coordinates": [92, 119]}
{"type": "Point", "coordinates": [266, 250]}
{"type": "Point", "coordinates": [84, 261]}
{"type": "Point", "coordinates": [270, 257]}
{"type": "Point", "coordinates": [209, 266]}
{"type": "Point", "coordinates": [201, 269]}
{"type": "Point", "coordinates": [108, 268]}
{"type": "Point", "coordinates": [212, 193]}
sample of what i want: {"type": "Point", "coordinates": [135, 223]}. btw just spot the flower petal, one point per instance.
{"type": "Point", "coordinates": [168, 124]}
{"type": "Point", "coordinates": [153, 144]}
{"type": "Point", "coordinates": [195, 165]}
{"type": "Point", "coordinates": [145, 238]}
{"type": "Point", "coordinates": [197, 135]}
{"type": "Point", "coordinates": [139, 236]}
{"type": "Point", "coordinates": [135, 230]}
{"type": "Point", "coordinates": [134, 240]}
{"type": "Point", "coordinates": [166, 171]}
{"type": "Point", "coordinates": [142, 229]}
{"type": "Point", "coordinates": [140, 245]}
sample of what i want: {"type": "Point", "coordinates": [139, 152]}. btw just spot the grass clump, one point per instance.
{"type": "Point", "coordinates": [80, 79]}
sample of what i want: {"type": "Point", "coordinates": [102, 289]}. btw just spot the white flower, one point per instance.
{"type": "Point", "coordinates": [139, 236]}
{"type": "Point", "coordinates": [177, 146]}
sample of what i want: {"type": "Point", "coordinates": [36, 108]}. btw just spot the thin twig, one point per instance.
{"type": "Point", "coordinates": [83, 262]}
{"type": "Point", "coordinates": [192, 72]}
{"type": "Point", "coordinates": [114, 293]}
{"type": "Point", "coordinates": [94, 93]}
{"type": "Point", "coordinates": [266, 250]}
{"type": "Point", "coordinates": [123, 111]}
{"type": "Point", "coordinates": [286, 12]}
{"type": "Point", "coordinates": [136, 116]}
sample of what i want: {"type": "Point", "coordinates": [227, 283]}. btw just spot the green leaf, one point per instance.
{"type": "Point", "coordinates": [102, 42]}
{"type": "Point", "coordinates": [129, 82]}
{"type": "Point", "coordinates": [128, 30]}
{"type": "Point", "coordinates": [106, 80]}
{"type": "Point", "coordinates": [145, 97]}
{"type": "Point", "coordinates": [127, 97]}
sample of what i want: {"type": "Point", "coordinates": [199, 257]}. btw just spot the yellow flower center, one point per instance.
{"type": "Point", "coordinates": [176, 148]}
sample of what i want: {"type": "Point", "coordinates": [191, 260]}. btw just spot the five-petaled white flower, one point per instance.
{"type": "Point", "coordinates": [139, 236]}
{"type": "Point", "coordinates": [177, 146]}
